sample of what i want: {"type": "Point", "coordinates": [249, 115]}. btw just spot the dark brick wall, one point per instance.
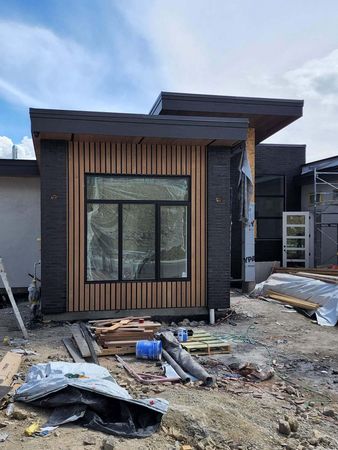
{"type": "Point", "coordinates": [270, 159]}
{"type": "Point", "coordinates": [236, 225]}
{"type": "Point", "coordinates": [279, 160]}
{"type": "Point", "coordinates": [53, 171]}
{"type": "Point", "coordinates": [218, 224]}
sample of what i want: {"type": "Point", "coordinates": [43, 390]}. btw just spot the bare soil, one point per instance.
{"type": "Point", "coordinates": [236, 413]}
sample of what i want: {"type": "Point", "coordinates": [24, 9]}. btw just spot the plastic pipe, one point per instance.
{"type": "Point", "coordinates": [212, 316]}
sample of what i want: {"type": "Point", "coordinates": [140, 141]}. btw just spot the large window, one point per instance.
{"type": "Point", "coordinates": [137, 227]}
{"type": "Point", "coordinates": [270, 203]}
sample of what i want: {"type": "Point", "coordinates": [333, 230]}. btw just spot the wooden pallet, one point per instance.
{"type": "Point", "coordinates": [204, 343]}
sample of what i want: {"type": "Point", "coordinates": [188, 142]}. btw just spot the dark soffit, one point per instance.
{"type": "Point", "coordinates": [266, 115]}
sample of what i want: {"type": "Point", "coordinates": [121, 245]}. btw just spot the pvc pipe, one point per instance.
{"type": "Point", "coordinates": [178, 369]}
{"type": "Point", "coordinates": [212, 316]}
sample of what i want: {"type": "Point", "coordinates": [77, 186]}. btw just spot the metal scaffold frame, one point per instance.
{"type": "Point", "coordinates": [319, 179]}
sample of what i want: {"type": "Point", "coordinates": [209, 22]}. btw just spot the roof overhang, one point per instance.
{"type": "Point", "coordinates": [135, 128]}
{"type": "Point", "coordinates": [266, 115]}
{"type": "Point", "coordinates": [18, 168]}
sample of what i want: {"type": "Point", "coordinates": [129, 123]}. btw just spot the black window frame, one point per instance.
{"type": "Point", "coordinates": [157, 204]}
{"type": "Point", "coordinates": [271, 196]}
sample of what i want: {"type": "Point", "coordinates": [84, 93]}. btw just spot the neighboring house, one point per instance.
{"type": "Point", "coordinates": [136, 210]}
{"type": "Point", "coordinates": [319, 185]}
{"type": "Point", "coordinates": [20, 220]}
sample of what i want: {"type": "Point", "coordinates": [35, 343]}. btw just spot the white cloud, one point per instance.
{"type": "Point", "coordinates": [25, 148]}
{"type": "Point", "coordinates": [42, 69]}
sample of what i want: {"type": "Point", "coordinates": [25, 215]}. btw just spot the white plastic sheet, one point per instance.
{"type": "Point", "coordinates": [316, 291]}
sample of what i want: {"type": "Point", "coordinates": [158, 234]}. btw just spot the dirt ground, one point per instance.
{"type": "Point", "coordinates": [235, 414]}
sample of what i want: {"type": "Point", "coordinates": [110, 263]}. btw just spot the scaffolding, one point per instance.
{"type": "Point", "coordinates": [325, 205]}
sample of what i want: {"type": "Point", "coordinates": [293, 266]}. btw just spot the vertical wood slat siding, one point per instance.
{"type": "Point", "coordinates": [141, 159]}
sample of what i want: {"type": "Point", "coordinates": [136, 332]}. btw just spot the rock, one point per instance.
{"type": "Point", "coordinates": [19, 415]}
{"type": "Point", "coordinates": [293, 422]}
{"type": "Point", "coordinates": [108, 444]}
{"type": "Point", "coordinates": [284, 427]}
{"type": "Point", "coordinates": [292, 444]}
{"type": "Point", "coordinates": [311, 404]}
{"type": "Point", "coordinates": [173, 324]}
{"type": "Point", "coordinates": [186, 322]}
{"type": "Point", "coordinates": [202, 323]}
{"type": "Point", "coordinates": [194, 323]}
{"type": "Point", "coordinates": [329, 412]}
{"type": "Point", "coordinates": [89, 440]}
{"type": "Point", "coordinates": [291, 390]}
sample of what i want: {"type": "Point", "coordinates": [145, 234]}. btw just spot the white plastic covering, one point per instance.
{"type": "Point", "coordinates": [316, 291]}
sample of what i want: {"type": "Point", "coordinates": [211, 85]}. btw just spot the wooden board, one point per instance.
{"type": "Point", "coordinates": [9, 366]}
{"type": "Point", "coordinates": [118, 350]}
{"type": "Point", "coordinates": [293, 301]}
{"type": "Point", "coordinates": [204, 343]}
{"type": "Point", "coordinates": [80, 340]}
{"type": "Point", "coordinates": [73, 350]}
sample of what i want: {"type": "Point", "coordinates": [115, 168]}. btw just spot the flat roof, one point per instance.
{"type": "Point", "coordinates": [320, 164]}
{"type": "Point", "coordinates": [137, 128]}
{"type": "Point", "coordinates": [19, 168]}
{"type": "Point", "coordinates": [266, 115]}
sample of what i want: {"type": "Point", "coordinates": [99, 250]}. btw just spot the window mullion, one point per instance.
{"type": "Point", "coordinates": [157, 240]}
{"type": "Point", "coordinates": [120, 238]}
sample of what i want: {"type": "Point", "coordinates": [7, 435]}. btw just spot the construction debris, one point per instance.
{"type": "Point", "coordinates": [9, 366]}
{"type": "Point", "coordinates": [313, 295]}
{"type": "Point", "coordinates": [146, 378]}
{"type": "Point", "coordinates": [87, 393]}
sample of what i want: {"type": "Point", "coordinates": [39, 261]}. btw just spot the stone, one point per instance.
{"type": "Point", "coordinates": [202, 323]}
{"type": "Point", "coordinates": [89, 440]}
{"type": "Point", "coordinates": [186, 322]}
{"type": "Point", "coordinates": [173, 324]}
{"type": "Point", "coordinates": [291, 390]}
{"type": "Point", "coordinates": [311, 404]}
{"type": "Point", "coordinates": [3, 436]}
{"type": "Point", "coordinates": [329, 412]}
{"type": "Point", "coordinates": [19, 415]}
{"type": "Point", "coordinates": [284, 427]}
{"type": "Point", "coordinates": [194, 323]}
{"type": "Point", "coordinates": [108, 444]}
{"type": "Point", "coordinates": [294, 425]}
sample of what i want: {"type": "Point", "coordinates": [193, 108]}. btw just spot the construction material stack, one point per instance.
{"type": "Point", "coordinates": [119, 336]}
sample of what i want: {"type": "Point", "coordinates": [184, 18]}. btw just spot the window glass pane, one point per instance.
{"type": "Point", "coordinates": [297, 220]}
{"type": "Point", "coordinates": [269, 228]}
{"type": "Point", "coordinates": [269, 206]}
{"type": "Point", "coordinates": [102, 242]}
{"type": "Point", "coordinates": [174, 254]}
{"type": "Point", "coordinates": [138, 242]}
{"type": "Point", "coordinates": [295, 243]}
{"type": "Point", "coordinates": [295, 254]}
{"type": "Point", "coordinates": [295, 231]}
{"type": "Point", "coordinates": [295, 264]}
{"type": "Point", "coordinates": [137, 188]}
{"type": "Point", "coordinates": [269, 185]}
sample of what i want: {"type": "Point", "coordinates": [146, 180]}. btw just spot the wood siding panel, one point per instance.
{"type": "Point", "coordinates": [147, 159]}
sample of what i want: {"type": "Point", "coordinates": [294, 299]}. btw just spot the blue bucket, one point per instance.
{"type": "Point", "coordinates": [182, 335]}
{"type": "Point", "coordinates": [149, 349]}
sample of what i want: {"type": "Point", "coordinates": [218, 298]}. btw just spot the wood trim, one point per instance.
{"type": "Point", "coordinates": [142, 159]}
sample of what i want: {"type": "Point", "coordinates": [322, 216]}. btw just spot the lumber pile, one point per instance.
{"type": "Point", "coordinates": [119, 336]}
{"type": "Point", "coordinates": [314, 271]}
{"type": "Point", "coordinates": [293, 301]}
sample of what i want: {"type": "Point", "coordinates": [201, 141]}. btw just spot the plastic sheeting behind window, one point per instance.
{"type": "Point", "coordinates": [102, 242]}
{"type": "Point", "coordinates": [137, 188]}
{"type": "Point", "coordinates": [174, 258]}
{"type": "Point", "coordinates": [138, 242]}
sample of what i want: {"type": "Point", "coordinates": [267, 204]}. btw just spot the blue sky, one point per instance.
{"type": "Point", "coordinates": [116, 55]}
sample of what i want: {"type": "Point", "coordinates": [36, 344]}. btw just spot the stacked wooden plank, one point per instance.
{"type": "Point", "coordinates": [315, 271]}
{"type": "Point", "coordinates": [81, 346]}
{"type": "Point", "coordinates": [293, 301]}
{"type": "Point", "coordinates": [119, 336]}
{"type": "Point", "coordinates": [203, 343]}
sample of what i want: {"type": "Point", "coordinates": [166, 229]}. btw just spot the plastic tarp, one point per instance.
{"type": "Point", "coordinates": [316, 291]}
{"type": "Point", "coordinates": [87, 393]}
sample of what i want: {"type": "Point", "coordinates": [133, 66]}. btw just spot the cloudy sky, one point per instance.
{"type": "Point", "coordinates": [116, 55]}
